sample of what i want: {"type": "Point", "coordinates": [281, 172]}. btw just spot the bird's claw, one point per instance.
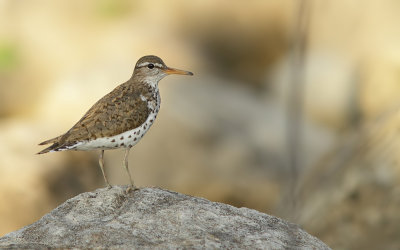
{"type": "Point", "coordinates": [131, 188]}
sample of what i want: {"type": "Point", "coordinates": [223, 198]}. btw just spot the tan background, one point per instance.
{"type": "Point", "coordinates": [221, 134]}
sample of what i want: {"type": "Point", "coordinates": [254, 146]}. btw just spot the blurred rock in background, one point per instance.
{"type": "Point", "coordinates": [354, 190]}
{"type": "Point", "coordinates": [239, 42]}
{"type": "Point", "coordinates": [222, 133]}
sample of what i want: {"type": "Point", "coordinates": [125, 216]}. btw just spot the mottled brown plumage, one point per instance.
{"type": "Point", "coordinates": [120, 110]}
{"type": "Point", "coordinates": [120, 118]}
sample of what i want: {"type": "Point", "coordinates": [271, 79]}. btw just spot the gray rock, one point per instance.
{"type": "Point", "coordinates": [156, 218]}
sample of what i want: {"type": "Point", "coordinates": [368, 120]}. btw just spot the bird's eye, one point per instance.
{"type": "Point", "coordinates": [150, 66]}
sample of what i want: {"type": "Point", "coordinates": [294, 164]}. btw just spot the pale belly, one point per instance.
{"type": "Point", "coordinates": [125, 139]}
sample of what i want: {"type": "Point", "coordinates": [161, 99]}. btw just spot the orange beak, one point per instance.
{"type": "Point", "coordinates": [171, 71]}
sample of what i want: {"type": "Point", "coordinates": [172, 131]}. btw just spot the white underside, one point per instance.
{"type": "Point", "coordinates": [125, 139]}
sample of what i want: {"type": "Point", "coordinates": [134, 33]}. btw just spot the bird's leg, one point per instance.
{"type": "Point", "coordinates": [127, 169]}
{"type": "Point", "coordinates": [101, 163]}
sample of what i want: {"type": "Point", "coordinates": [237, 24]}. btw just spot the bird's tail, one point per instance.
{"type": "Point", "coordinates": [53, 147]}
{"type": "Point", "coordinates": [54, 140]}
{"type": "Point", "coordinates": [56, 144]}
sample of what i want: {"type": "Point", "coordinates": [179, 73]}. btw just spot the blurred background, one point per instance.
{"type": "Point", "coordinates": [294, 108]}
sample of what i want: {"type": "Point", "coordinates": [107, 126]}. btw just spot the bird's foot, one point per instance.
{"type": "Point", "coordinates": [131, 188]}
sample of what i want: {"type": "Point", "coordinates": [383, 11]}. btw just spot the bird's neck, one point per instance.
{"type": "Point", "coordinates": [149, 80]}
{"type": "Point", "coordinates": [152, 83]}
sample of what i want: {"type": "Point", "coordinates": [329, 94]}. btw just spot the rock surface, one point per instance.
{"type": "Point", "coordinates": [156, 218]}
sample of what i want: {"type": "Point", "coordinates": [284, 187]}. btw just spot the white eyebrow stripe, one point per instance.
{"type": "Point", "coordinates": [143, 64]}
{"type": "Point", "coordinates": [147, 63]}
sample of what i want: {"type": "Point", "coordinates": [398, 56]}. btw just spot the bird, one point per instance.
{"type": "Point", "coordinates": [121, 118]}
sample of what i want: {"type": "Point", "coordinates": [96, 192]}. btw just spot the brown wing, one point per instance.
{"type": "Point", "coordinates": [121, 110]}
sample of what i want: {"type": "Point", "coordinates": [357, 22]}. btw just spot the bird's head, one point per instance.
{"type": "Point", "coordinates": [153, 69]}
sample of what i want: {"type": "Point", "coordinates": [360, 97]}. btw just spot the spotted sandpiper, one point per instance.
{"type": "Point", "coordinates": [122, 117]}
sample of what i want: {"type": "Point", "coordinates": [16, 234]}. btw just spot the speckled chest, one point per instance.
{"type": "Point", "coordinates": [127, 138]}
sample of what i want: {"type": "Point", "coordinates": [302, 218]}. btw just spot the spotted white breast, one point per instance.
{"type": "Point", "coordinates": [125, 139]}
